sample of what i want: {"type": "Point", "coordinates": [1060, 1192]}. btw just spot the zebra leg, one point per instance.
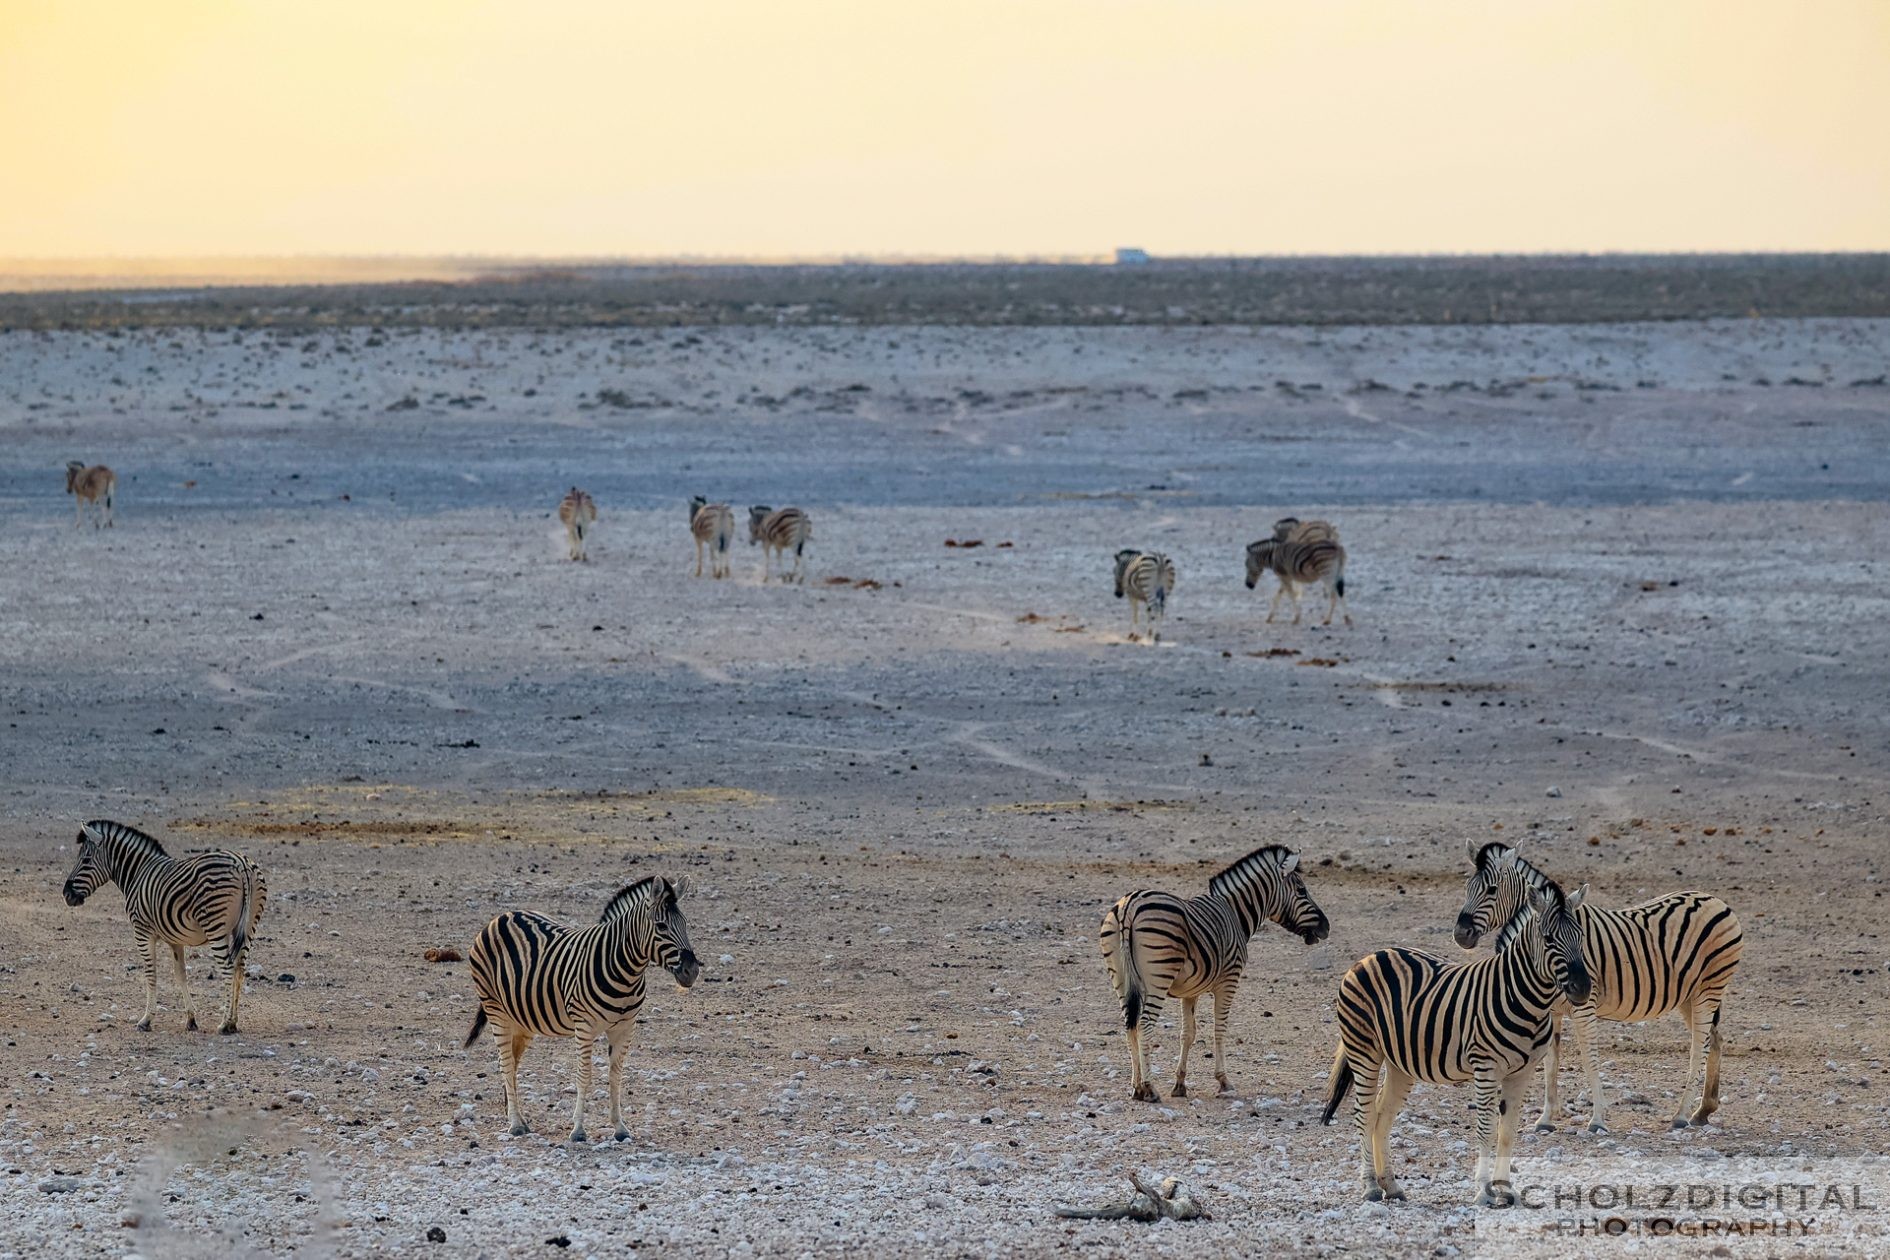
{"type": "Point", "coordinates": [1509, 1108]}
{"type": "Point", "coordinates": [1709, 1091]}
{"type": "Point", "coordinates": [1296, 605]}
{"type": "Point", "coordinates": [698, 557]}
{"type": "Point", "coordinates": [619, 1038]}
{"type": "Point", "coordinates": [1365, 1120]}
{"type": "Point", "coordinates": [1489, 1096]}
{"type": "Point", "coordinates": [1551, 1077]}
{"type": "Point", "coordinates": [1274, 607]}
{"type": "Point", "coordinates": [233, 966]}
{"type": "Point", "coordinates": [1583, 1021]}
{"type": "Point", "coordinates": [1696, 1065]}
{"type": "Point", "coordinates": [800, 566]}
{"type": "Point", "coordinates": [183, 987]}
{"type": "Point", "coordinates": [1223, 1003]}
{"type": "Point", "coordinates": [1187, 1044]}
{"type": "Point", "coordinates": [512, 1042]}
{"type": "Point", "coordinates": [147, 954]}
{"type": "Point", "coordinates": [1138, 1048]}
{"type": "Point", "coordinates": [585, 1042]}
{"type": "Point", "coordinates": [1391, 1096]}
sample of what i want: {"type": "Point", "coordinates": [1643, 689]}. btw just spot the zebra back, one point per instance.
{"type": "Point", "coordinates": [779, 528]}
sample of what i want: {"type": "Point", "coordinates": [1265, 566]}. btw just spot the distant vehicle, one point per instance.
{"type": "Point", "coordinates": [1128, 257]}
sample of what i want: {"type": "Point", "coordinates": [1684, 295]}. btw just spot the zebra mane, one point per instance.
{"type": "Point", "coordinates": [1250, 866]}
{"type": "Point", "coordinates": [1530, 875]}
{"type": "Point", "coordinates": [124, 837]}
{"type": "Point", "coordinates": [634, 897]}
{"type": "Point", "coordinates": [1526, 913]}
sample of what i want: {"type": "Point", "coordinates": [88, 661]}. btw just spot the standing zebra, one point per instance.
{"type": "Point", "coordinates": [539, 978]}
{"type": "Point", "coordinates": [713, 526]}
{"type": "Point", "coordinates": [1674, 953]}
{"type": "Point", "coordinates": [1147, 579]}
{"type": "Point", "coordinates": [1301, 563]}
{"type": "Point", "coordinates": [777, 530]}
{"type": "Point", "coordinates": [213, 899]}
{"type": "Point", "coordinates": [1158, 946]}
{"type": "Point", "coordinates": [1424, 1019]}
{"type": "Point", "coordinates": [578, 513]}
{"type": "Point", "coordinates": [96, 485]}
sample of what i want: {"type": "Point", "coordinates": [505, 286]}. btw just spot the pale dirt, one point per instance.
{"type": "Point", "coordinates": [906, 808]}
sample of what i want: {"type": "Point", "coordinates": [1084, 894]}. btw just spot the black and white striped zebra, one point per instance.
{"type": "Point", "coordinates": [1292, 529]}
{"type": "Point", "coordinates": [1674, 954]}
{"type": "Point", "coordinates": [536, 977]}
{"type": "Point", "coordinates": [1146, 579]}
{"type": "Point", "coordinates": [1158, 946]}
{"type": "Point", "coordinates": [712, 525]}
{"type": "Point", "coordinates": [213, 899]}
{"type": "Point", "coordinates": [1299, 563]}
{"type": "Point", "coordinates": [578, 512]}
{"type": "Point", "coordinates": [778, 530]}
{"type": "Point", "coordinates": [1420, 1018]}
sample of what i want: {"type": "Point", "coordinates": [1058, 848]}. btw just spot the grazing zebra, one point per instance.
{"type": "Point", "coordinates": [1147, 579]}
{"type": "Point", "coordinates": [1675, 953]}
{"type": "Point", "coordinates": [213, 899]}
{"type": "Point", "coordinates": [96, 485]}
{"type": "Point", "coordinates": [578, 513]}
{"type": "Point", "coordinates": [1159, 946]}
{"type": "Point", "coordinates": [1424, 1019]}
{"type": "Point", "coordinates": [713, 525]}
{"type": "Point", "coordinates": [778, 529]}
{"type": "Point", "coordinates": [539, 978]}
{"type": "Point", "coordinates": [1292, 529]}
{"type": "Point", "coordinates": [1299, 564]}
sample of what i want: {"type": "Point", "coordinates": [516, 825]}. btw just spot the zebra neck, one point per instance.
{"type": "Point", "coordinates": [1524, 979]}
{"type": "Point", "coordinates": [629, 939]}
{"type": "Point", "coordinates": [123, 863]}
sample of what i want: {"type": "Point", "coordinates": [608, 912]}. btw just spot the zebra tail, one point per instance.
{"type": "Point", "coordinates": [1338, 1085]}
{"type": "Point", "coordinates": [239, 935]}
{"type": "Point", "coordinates": [1339, 586]}
{"type": "Point", "coordinates": [479, 1026]}
{"type": "Point", "coordinates": [1123, 970]}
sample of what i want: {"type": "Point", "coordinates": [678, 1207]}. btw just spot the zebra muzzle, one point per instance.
{"type": "Point", "coordinates": [73, 896]}
{"type": "Point", "coordinates": [686, 970]}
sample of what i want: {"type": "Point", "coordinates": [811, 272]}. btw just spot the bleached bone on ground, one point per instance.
{"type": "Point", "coordinates": [1148, 1203]}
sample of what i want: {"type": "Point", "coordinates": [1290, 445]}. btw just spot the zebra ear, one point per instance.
{"type": "Point", "coordinates": [1574, 899]}
{"type": "Point", "coordinates": [682, 886]}
{"type": "Point", "coordinates": [1291, 863]}
{"type": "Point", "coordinates": [1472, 843]}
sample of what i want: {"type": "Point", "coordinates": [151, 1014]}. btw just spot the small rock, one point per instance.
{"type": "Point", "coordinates": [61, 1185]}
{"type": "Point", "coordinates": [1554, 792]}
{"type": "Point", "coordinates": [436, 1234]}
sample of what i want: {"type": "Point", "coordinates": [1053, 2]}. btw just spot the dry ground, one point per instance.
{"type": "Point", "coordinates": [1615, 600]}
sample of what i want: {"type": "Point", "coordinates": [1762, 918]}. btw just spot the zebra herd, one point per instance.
{"type": "Point", "coordinates": [1407, 1016]}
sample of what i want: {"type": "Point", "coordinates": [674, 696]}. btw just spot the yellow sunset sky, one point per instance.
{"type": "Point", "coordinates": [773, 128]}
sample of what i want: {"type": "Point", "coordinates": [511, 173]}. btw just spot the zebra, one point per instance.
{"type": "Point", "coordinates": [97, 485]}
{"type": "Point", "coordinates": [1676, 953]}
{"type": "Point", "coordinates": [213, 899]}
{"type": "Point", "coordinates": [579, 513]}
{"type": "Point", "coordinates": [713, 525]}
{"type": "Point", "coordinates": [536, 977]}
{"type": "Point", "coordinates": [777, 530]}
{"type": "Point", "coordinates": [1300, 563]}
{"type": "Point", "coordinates": [1158, 946]}
{"type": "Point", "coordinates": [1424, 1019]}
{"type": "Point", "coordinates": [1146, 578]}
{"type": "Point", "coordinates": [1292, 529]}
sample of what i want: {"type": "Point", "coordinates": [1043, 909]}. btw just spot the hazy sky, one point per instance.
{"type": "Point", "coordinates": [781, 127]}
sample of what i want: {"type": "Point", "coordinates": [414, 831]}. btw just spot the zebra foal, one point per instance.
{"type": "Point", "coordinates": [536, 977]}
{"type": "Point", "coordinates": [778, 530]}
{"type": "Point", "coordinates": [1419, 1018]}
{"type": "Point", "coordinates": [213, 899]}
{"type": "Point", "coordinates": [1674, 954]}
{"type": "Point", "coordinates": [1146, 579]}
{"type": "Point", "coordinates": [1158, 946]}
{"type": "Point", "coordinates": [712, 525]}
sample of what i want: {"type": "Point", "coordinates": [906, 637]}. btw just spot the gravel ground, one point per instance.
{"type": "Point", "coordinates": [1615, 597]}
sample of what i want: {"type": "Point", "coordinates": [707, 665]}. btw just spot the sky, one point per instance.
{"type": "Point", "coordinates": [798, 128]}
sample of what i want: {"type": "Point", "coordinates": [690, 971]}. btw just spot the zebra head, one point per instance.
{"type": "Point", "coordinates": [1497, 889]}
{"type": "Point", "coordinates": [696, 505]}
{"type": "Point", "coordinates": [1267, 885]}
{"type": "Point", "coordinates": [756, 515]}
{"type": "Point", "coordinates": [73, 470]}
{"type": "Point", "coordinates": [1562, 938]}
{"type": "Point", "coordinates": [669, 935]}
{"type": "Point", "coordinates": [1259, 559]}
{"type": "Point", "coordinates": [88, 872]}
{"type": "Point", "coordinates": [1124, 559]}
{"type": "Point", "coordinates": [1284, 527]}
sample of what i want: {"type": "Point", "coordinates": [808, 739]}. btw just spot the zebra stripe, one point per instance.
{"type": "Point", "coordinates": [1421, 1018]}
{"type": "Point", "coordinates": [713, 526]}
{"type": "Point", "coordinates": [1157, 945]}
{"type": "Point", "coordinates": [778, 529]}
{"type": "Point", "coordinates": [1147, 579]}
{"type": "Point", "coordinates": [1300, 563]}
{"type": "Point", "coordinates": [578, 513]}
{"type": "Point", "coordinates": [1676, 953]}
{"type": "Point", "coordinates": [536, 977]}
{"type": "Point", "coordinates": [213, 899]}
{"type": "Point", "coordinates": [1292, 529]}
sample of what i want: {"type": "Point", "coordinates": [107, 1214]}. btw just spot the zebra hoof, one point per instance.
{"type": "Point", "coordinates": [1679, 1122]}
{"type": "Point", "coordinates": [1497, 1195]}
{"type": "Point", "coordinates": [1225, 1088]}
{"type": "Point", "coordinates": [1145, 1093]}
{"type": "Point", "coordinates": [578, 1136]}
{"type": "Point", "coordinates": [1595, 1126]}
{"type": "Point", "coordinates": [1394, 1193]}
{"type": "Point", "coordinates": [520, 1129]}
{"type": "Point", "coordinates": [190, 1024]}
{"type": "Point", "coordinates": [144, 1025]}
{"type": "Point", "coordinates": [227, 1029]}
{"type": "Point", "coordinates": [1543, 1126]}
{"type": "Point", "coordinates": [1180, 1090]}
{"type": "Point", "coordinates": [1375, 1194]}
{"type": "Point", "coordinates": [623, 1135]}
